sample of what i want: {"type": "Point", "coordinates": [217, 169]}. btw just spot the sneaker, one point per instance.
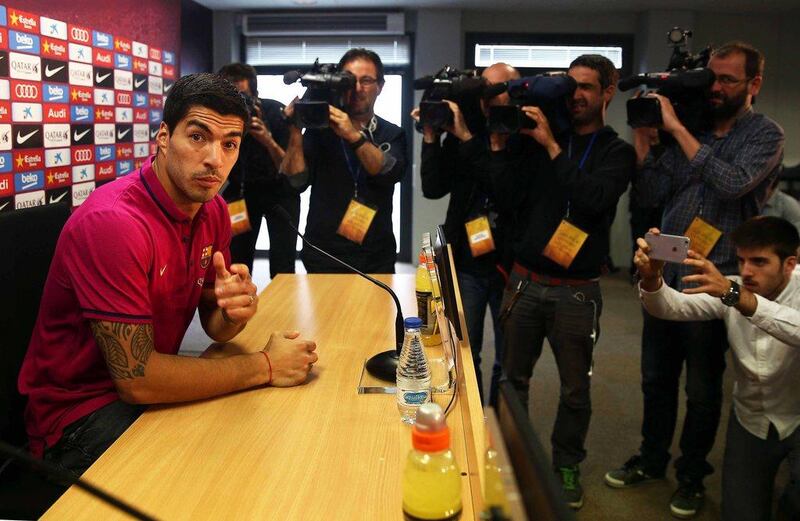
{"type": "Point", "coordinates": [687, 500]}
{"type": "Point", "coordinates": [571, 488]}
{"type": "Point", "coordinates": [632, 473]}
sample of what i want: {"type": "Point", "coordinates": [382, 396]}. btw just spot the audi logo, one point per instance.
{"type": "Point", "coordinates": [123, 98]}
{"type": "Point", "coordinates": [82, 35]}
{"type": "Point", "coordinates": [82, 155]}
{"type": "Point", "coordinates": [26, 91]}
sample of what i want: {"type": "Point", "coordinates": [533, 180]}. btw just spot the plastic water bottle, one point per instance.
{"type": "Point", "coordinates": [413, 374]}
{"type": "Point", "coordinates": [431, 480]}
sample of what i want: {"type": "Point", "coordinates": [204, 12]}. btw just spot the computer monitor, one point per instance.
{"type": "Point", "coordinates": [441, 256]}
{"type": "Point", "coordinates": [533, 487]}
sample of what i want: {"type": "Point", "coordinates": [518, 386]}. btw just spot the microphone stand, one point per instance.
{"type": "Point", "coordinates": [383, 365]}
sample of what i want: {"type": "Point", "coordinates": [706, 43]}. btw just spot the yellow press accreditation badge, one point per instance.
{"type": "Point", "coordinates": [479, 235]}
{"type": "Point", "coordinates": [565, 244]}
{"type": "Point", "coordinates": [703, 236]}
{"type": "Point", "coordinates": [356, 221]}
{"type": "Point", "coordinates": [240, 221]}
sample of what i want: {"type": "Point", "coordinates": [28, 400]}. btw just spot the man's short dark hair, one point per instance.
{"type": "Point", "coordinates": [207, 90]}
{"type": "Point", "coordinates": [753, 58]}
{"type": "Point", "coordinates": [241, 71]}
{"type": "Point", "coordinates": [606, 71]}
{"type": "Point", "coordinates": [768, 232]}
{"type": "Point", "coordinates": [364, 54]}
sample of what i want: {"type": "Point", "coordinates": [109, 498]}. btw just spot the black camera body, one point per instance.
{"type": "Point", "coordinates": [251, 103]}
{"type": "Point", "coordinates": [463, 87]}
{"type": "Point", "coordinates": [686, 84]}
{"type": "Point", "coordinates": [549, 92]}
{"type": "Point", "coordinates": [325, 85]}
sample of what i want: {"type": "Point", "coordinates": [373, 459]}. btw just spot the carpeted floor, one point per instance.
{"type": "Point", "coordinates": [617, 408]}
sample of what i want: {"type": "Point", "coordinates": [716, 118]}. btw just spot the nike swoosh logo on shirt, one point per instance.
{"type": "Point", "coordinates": [77, 136]}
{"type": "Point", "coordinates": [100, 78]}
{"type": "Point", "coordinates": [22, 139]}
{"type": "Point", "coordinates": [49, 72]}
{"type": "Point", "coordinates": [161, 271]}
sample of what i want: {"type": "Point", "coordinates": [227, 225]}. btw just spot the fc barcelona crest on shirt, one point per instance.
{"type": "Point", "coordinates": [205, 257]}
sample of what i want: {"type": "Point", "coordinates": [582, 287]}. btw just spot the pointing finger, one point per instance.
{"type": "Point", "coordinates": [219, 265]}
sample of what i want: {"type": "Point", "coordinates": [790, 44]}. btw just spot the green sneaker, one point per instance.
{"type": "Point", "coordinates": [571, 488]}
{"type": "Point", "coordinates": [630, 474]}
{"type": "Point", "coordinates": [687, 500]}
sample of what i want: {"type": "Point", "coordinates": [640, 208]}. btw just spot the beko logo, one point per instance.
{"type": "Point", "coordinates": [106, 152]}
{"type": "Point", "coordinates": [122, 61]}
{"type": "Point", "coordinates": [29, 180]}
{"type": "Point", "coordinates": [55, 92]}
{"type": "Point", "coordinates": [26, 91]}
{"type": "Point", "coordinates": [79, 35]}
{"type": "Point", "coordinates": [23, 41]}
{"type": "Point", "coordinates": [81, 112]}
{"type": "Point", "coordinates": [102, 40]}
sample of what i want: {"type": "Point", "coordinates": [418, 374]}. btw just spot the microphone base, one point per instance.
{"type": "Point", "coordinates": [384, 365]}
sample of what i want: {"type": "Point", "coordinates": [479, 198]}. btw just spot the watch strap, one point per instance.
{"type": "Point", "coordinates": [357, 144]}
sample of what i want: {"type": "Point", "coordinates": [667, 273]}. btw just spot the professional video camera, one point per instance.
{"type": "Point", "coordinates": [463, 87]}
{"type": "Point", "coordinates": [548, 91]}
{"type": "Point", "coordinates": [685, 83]}
{"type": "Point", "coordinates": [325, 85]}
{"type": "Point", "coordinates": [250, 102]}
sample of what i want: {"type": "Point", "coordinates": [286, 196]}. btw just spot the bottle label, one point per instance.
{"type": "Point", "coordinates": [415, 398]}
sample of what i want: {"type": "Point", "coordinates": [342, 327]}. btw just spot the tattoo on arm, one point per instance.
{"type": "Point", "coordinates": [126, 347]}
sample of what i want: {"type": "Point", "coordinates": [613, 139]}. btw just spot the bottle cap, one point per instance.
{"type": "Point", "coordinates": [412, 322]}
{"type": "Point", "coordinates": [430, 432]}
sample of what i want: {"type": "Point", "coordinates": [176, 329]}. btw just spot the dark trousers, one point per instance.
{"type": "Point", "coordinates": [748, 474]}
{"type": "Point", "coordinates": [84, 440]}
{"type": "Point", "coordinates": [567, 317]}
{"type": "Point", "coordinates": [315, 262]}
{"type": "Point", "coordinates": [476, 293]}
{"type": "Point", "coordinates": [282, 239]}
{"type": "Point", "coordinates": [666, 346]}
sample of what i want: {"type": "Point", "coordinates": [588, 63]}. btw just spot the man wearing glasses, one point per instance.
{"type": "Point", "coordinates": [709, 183]}
{"type": "Point", "coordinates": [352, 168]}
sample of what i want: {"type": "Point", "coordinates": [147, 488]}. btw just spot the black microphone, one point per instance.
{"type": "Point", "coordinates": [50, 470]}
{"type": "Point", "coordinates": [291, 77]}
{"type": "Point", "coordinates": [383, 365]}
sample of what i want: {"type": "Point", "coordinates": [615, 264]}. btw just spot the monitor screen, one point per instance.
{"type": "Point", "coordinates": [448, 285]}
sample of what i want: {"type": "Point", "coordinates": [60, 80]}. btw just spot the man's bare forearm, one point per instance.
{"type": "Point", "coordinates": [294, 162]}
{"type": "Point", "coordinates": [371, 158]}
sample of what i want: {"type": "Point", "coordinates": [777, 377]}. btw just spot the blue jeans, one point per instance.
{"type": "Point", "coordinates": [476, 293]}
{"type": "Point", "coordinates": [748, 474]}
{"type": "Point", "coordinates": [666, 346]}
{"type": "Point", "coordinates": [568, 316]}
{"type": "Point", "coordinates": [84, 440]}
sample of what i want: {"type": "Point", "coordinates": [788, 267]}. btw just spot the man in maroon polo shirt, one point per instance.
{"type": "Point", "coordinates": [132, 265]}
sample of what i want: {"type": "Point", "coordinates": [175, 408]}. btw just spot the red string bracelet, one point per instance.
{"type": "Point", "coordinates": [270, 367]}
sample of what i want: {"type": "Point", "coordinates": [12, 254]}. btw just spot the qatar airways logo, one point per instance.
{"type": "Point", "coordinates": [29, 200]}
{"type": "Point", "coordinates": [81, 192]}
{"type": "Point", "coordinates": [25, 67]}
{"type": "Point", "coordinates": [104, 133]}
{"type": "Point", "coordinates": [80, 74]}
{"type": "Point", "coordinates": [56, 135]}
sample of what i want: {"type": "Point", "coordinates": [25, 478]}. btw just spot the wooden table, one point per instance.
{"type": "Point", "coordinates": [317, 451]}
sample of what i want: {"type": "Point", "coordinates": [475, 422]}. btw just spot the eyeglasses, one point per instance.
{"type": "Point", "coordinates": [730, 81]}
{"type": "Point", "coordinates": [366, 81]}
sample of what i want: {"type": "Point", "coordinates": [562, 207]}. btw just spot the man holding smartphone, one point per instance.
{"type": "Point", "coordinates": [761, 312]}
{"type": "Point", "coordinates": [709, 184]}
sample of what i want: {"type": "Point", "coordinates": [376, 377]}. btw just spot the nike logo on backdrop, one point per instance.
{"type": "Point", "coordinates": [21, 139]}
{"type": "Point", "coordinates": [100, 78]}
{"type": "Point", "coordinates": [77, 136]}
{"type": "Point", "coordinates": [57, 199]}
{"type": "Point", "coordinates": [139, 83]}
{"type": "Point", "coordinates": [121, 135]}
{"type": "Point", "coordinates": [49, 72]}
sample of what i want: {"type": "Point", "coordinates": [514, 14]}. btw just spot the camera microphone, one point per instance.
{"type": "Point", "coordinates": [383, 365]}
{"type": "Point", "coordinates": [291, 77]}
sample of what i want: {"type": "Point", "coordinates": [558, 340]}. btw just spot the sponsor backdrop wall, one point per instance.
{"type": "Point", "coordinates": [82, 88]}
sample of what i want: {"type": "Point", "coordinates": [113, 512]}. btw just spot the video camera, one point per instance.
{"type": "Point", "coordinates": [548, 91]}
{"type": "Point", "coordinates": [250, 102]}
{"type": "Point", "coordinates": [685, 84]}
{"type": "Point", "coordinates": [325, 85]}
{"type": "Point", "coordinates": [463, 87]}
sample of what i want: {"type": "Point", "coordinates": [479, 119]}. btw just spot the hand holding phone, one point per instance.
{"type": "Point", "coordinates": [668, 248]}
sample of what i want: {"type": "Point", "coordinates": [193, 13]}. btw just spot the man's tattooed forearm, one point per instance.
{"type": "Point", "coordinates": [111, 337]}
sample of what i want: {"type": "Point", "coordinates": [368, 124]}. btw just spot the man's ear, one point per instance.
{"type": "Point", "coordinates": [789, 265]}
{"type": "Point", "coordinates": [162, 138]}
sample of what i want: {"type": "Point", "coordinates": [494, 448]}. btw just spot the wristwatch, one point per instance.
{"type": "Point", "coordinates": [731, 297]}
{"type": "Point", "coordinates": [363, 139]}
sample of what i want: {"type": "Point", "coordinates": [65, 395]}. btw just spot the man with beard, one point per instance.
{"type": "Point", "coordinates": [352, 168]}
{"type": "Point", "coordinates": [761, 311]}
{"type": "Point", "coordinates": [449, 167]}
{"type": "Point", "coordinates": [709, 184]}
{"type": "Point", "coordinates": [132, 266]}
{"type": "Point", "coordinates": [562, 192]}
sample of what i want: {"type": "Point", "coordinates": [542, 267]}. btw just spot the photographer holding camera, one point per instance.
{"type": "Point", "coordinates": [563, 191]}
{"type": "Point", "coordinates": [473, 225]}
{"type": "Point", "coordinates": [709, 183]}
{"type": "Point", "coordinates": [352, 168]}
{"type": "Point", "coordinates": [255, 177]}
